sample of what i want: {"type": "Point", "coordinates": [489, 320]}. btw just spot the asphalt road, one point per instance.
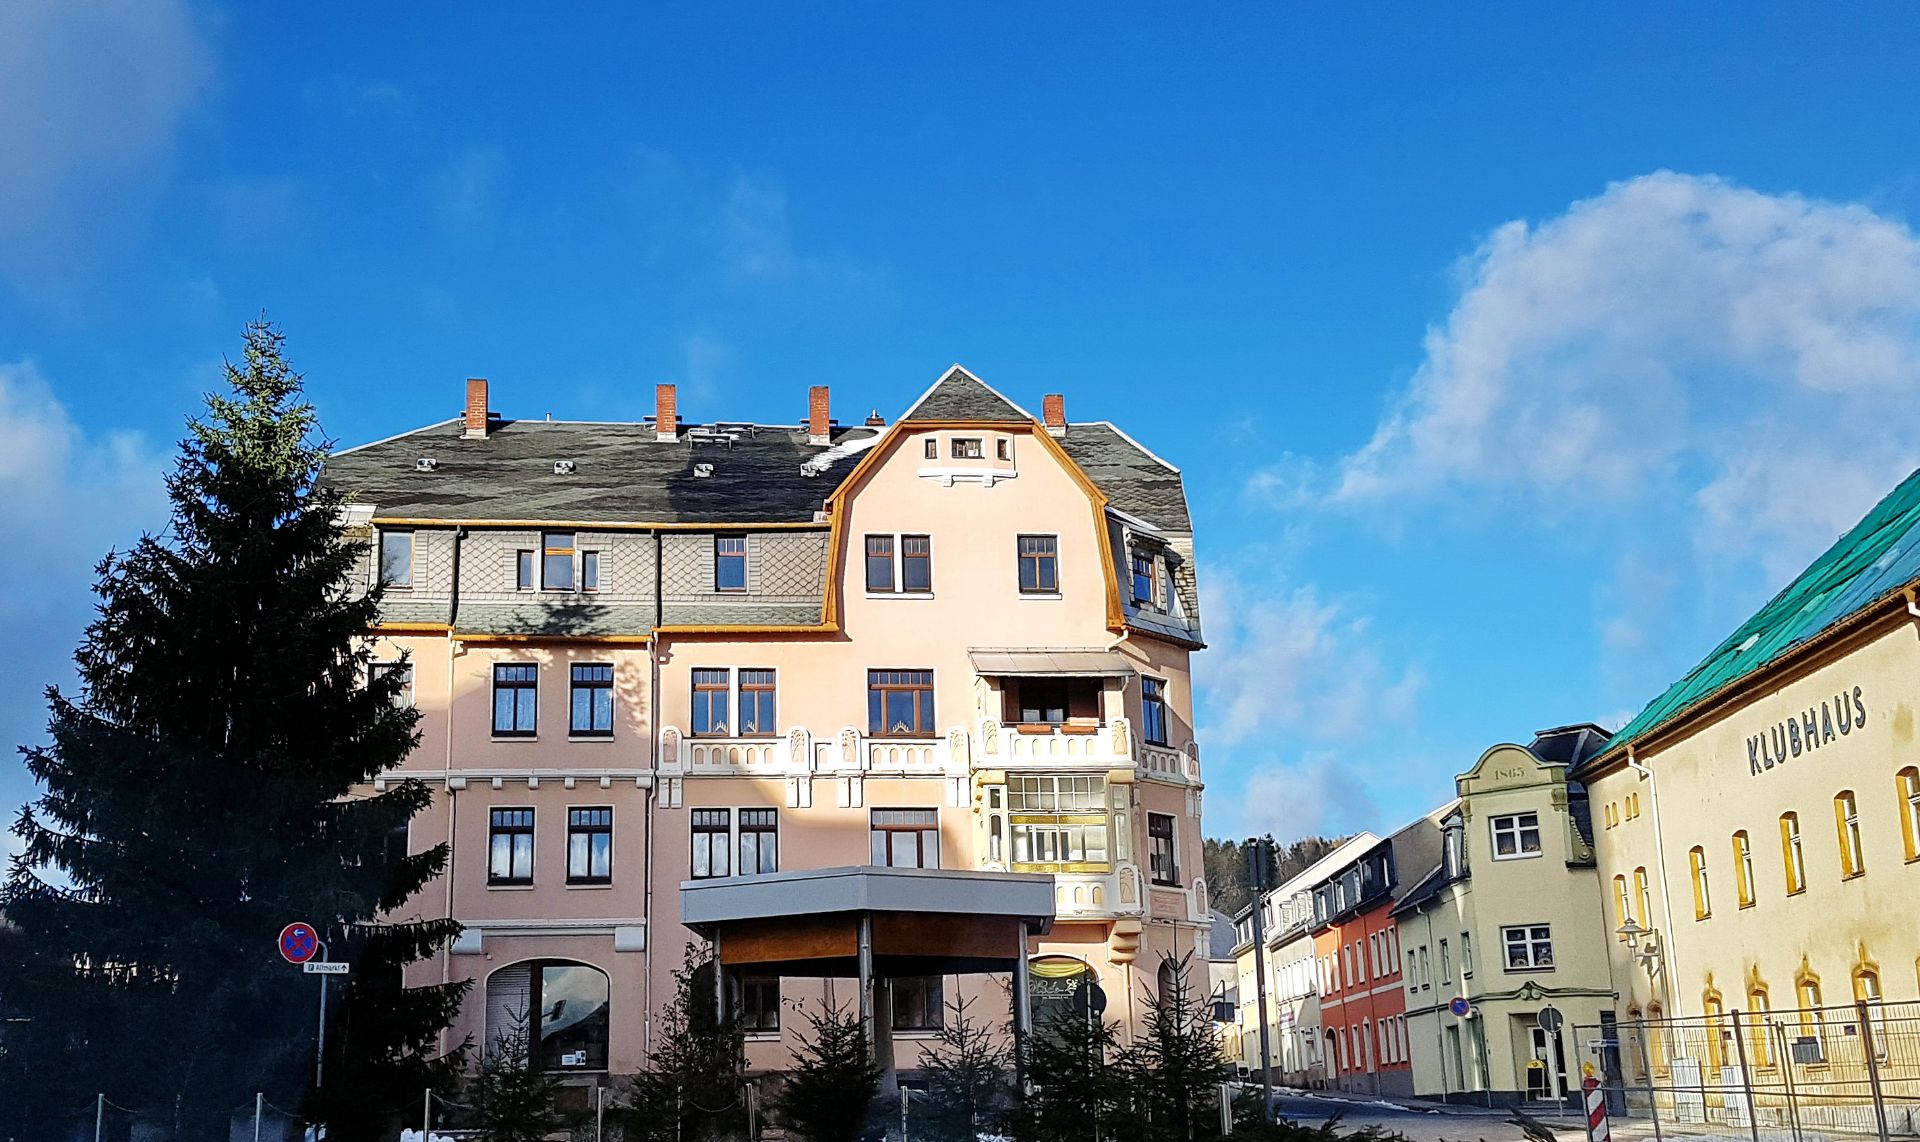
{"type": "Point", "coordinates": [1418, 1124]}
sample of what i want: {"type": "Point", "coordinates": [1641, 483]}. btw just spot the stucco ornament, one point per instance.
{"type": "Point", "coordinates": [957, 746]}
{"type": "Point", "coordinates": [670, 746]}
{"type": "Point", "coordinates": [1122, 737]}
{"type": "Point", "coordinates": [1129, 885]}
{"type": "Point", "coordinates": [990, 736]}
{"type": "Point", "coordinates": [850, 748]}
{"type": "Point", "coordinates": [797, 751]}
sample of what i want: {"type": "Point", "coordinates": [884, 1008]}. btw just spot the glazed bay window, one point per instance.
{"type": "Point", "coordinates": [516, 690]}
{"type": "Point", "coordinates": [729, 562]}
{"type": "Point", "coordinates": [906, 838]}
{"type": "Point", "coordinates": [510, 847]}
{"type": "Point", "coordinates": [1153, 711]}
{"type": "Point", "coordinates": [556, 561]}
{"type": "Point", "coordinates": [1516, 835]}
{"type": "Point", "coordinates": [711, 696]}
{"type": "Point", "coordinates": [592, 701]}
{"type": "Point", "coordinates": [590, 846]}
{"type": "Point", "coordinates": [1038, 557]}
{"type": "Point", "coordinates": [759, 841]}
{"type": "Point", "coordinates": [1059, 823]}
{"type": "Point", "coordinates": [1529, 947]}
{"type": "Point", "coordinates": [396, 559]}
{"type": "Point", "coordinates": [712, 838]}
{"type": "Point", "coordinates": [900, 703]}
{"type": "Point", "coordinates": [1161, 864]}
{"type": "Point", "coordinates": [918, 1003]}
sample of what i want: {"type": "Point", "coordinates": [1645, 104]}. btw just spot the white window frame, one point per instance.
{"type": "Point", "coordinates": [1510, 823]}
{"type": "Point", "coordinates": [1532, 937]}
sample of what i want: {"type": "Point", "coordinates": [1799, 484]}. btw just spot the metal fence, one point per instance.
{"type": "Point", "coordinates": [1800, 1075]}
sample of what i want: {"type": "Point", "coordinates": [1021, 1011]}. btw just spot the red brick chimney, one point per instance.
{"type": "Point", "coordinates": [476, 416]}
{"type": "Point", "coordinates": [666, 420]}
{"type": "Point", "coordinates": [1053, 409]}
{"type": "Point", "coordinates": [875, 420]}
{"type": "Point", "coordinates": [819, 425]}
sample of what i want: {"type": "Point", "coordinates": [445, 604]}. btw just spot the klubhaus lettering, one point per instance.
{"type": "Point", "coordinates": [1833, 718]}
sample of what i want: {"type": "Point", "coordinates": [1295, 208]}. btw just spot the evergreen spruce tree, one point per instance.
{"type": "Point", "coordinates": [690, 1088]}
{"type": "Point", "coordinates": [1076, 1088]}
{"type": "Point", "coordinates": [829, 1094]}
{"type": "Point", "coordinates": [1177, 1064]}
{"type": "Point", "coordinates": [514, 1099]}
{"type": "Point", "coordinates": [969, 1073]}
{"type": "Point", "coordinates": [205, 787]}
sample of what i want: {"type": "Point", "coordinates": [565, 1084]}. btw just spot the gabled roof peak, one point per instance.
{"type": "Point", "coordinates": [959, 395]}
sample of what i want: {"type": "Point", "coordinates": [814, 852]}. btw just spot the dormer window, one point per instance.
{"type": "Point", "coordinates": [968, 448]}
{"type": "Point", "coordinates": [933, 448]}
{"type": "Point", "coordinates": [1144, 579]}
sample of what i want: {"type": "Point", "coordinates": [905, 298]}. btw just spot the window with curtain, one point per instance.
{"type": "Point", "coordinates": [711, 693]}
{"type": "Point", "coordinates": [712, 840]}
{"type": "Point", "coordinates": [759, 841]}
{"type": "Point", "coordinates": [757, 703]}
{"type": "Point", "coordinates": [905, 838]}
{"type": "Point", "coordinates": [900, 703]}
{"type": "Point", "coordinates": [591, 702]}
{"type": "Point", "coordinates": [590, 845]}
{"type": "Point", "coordinates": [515, 699]}
{"type": "Point", "coordinates": [510, 846]}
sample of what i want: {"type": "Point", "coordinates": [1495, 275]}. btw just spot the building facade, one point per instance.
{"type": "Point", "coordinates": [1362, 1002]}
{"type": "Point", "coordinates": [1508, 923]}
{"type": "Point", "coordinates": [1758, 825]}
{"type": "Point", "coordinates": [659, 653]}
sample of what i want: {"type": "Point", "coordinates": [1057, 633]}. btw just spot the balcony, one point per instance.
{"type": "Point", "coordinates": [1044, 745]}
{"type": "Point", "coordinates": [708, 755]}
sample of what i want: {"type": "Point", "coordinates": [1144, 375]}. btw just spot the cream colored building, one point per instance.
{"type": "Point", "coordinates": [1510, 922]}
{"type": "Point", "coordinates": [1760, 821]}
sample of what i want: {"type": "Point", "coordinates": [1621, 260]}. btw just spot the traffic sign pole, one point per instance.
{"type": "Point", "coordinates": [320, 1053]}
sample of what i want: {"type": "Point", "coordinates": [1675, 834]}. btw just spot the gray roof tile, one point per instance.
{"type": "Point", "coordinates": [962, 396]}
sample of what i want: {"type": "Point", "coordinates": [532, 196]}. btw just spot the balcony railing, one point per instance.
{"type": "Point", "coordinates": [735, 753]}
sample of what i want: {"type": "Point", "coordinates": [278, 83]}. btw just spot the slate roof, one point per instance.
{"type": "Point", "coordinates": [1874, 559]}
{"type": "Point", "coordinates": [1135, 481]}
{"type": "Point", "coordinates": [622, 474]}
{"type": "Point", "coordinates": [959, 395]}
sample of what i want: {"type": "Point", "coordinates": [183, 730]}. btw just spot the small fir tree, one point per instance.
{"type": "Point", "coordinates": [1175, 1067]}
{"type": "Point", "coordinates": [829, 1094]}
{"type": "Point", "coordinates": [690, 1089]}
{"type": "Point", "coordinates": [199, 793]}
{"type": "Point", "coordinates": [969, 1073]}
{"type": "Point", "coordinates": [513, 1098]}
{"type": "Point", "coordinates": [1075, 1086]}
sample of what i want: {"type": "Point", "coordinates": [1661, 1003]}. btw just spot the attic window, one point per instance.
{"type": "Point", "coordinates": [1143, 559]}
{"type": "Point", "coordinates": [933, 448]}
{"type": "Point", "coordinates": [968, 448]}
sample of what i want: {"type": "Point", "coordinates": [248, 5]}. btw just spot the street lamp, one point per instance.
{"type": "Point", "coordinates": [1633, 934]}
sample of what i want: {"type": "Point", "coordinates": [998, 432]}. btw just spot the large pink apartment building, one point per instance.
{"type": "Point", "coordinates": [677, 679]}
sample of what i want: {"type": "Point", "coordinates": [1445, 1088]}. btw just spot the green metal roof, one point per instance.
{"type": "Point", "coordinates": [1877, 557]}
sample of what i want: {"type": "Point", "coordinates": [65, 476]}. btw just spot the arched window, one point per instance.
{"type": "Point", "coordinates": [1715, 1011]}
{"type": "Point", "coordinates": [1846, 821]}
{"type": "Point", "coordinates": [1620, 904]}
{"type": "Point", "coordinates": [1743, 868]}
{"type": "Point", "coordinates": [1907, 783]}
{"type": "Point", "coordinates": [1866, 988]}
{"type": "Point", "coordinates": [1791, 853]}
{"type": "Point", "coordinates": [1657, 1037]}
{"type": "Point", "coordinates": [564, 1007]}
{"type": "Point", "coordinates": [1643, 897]}
{"type": "Point", "coordinates": [1702, 897]}
{"type": "Point", "coordinates": [1759, 1038]}
{"type": "Point", "coordinates": [1813, 1023]}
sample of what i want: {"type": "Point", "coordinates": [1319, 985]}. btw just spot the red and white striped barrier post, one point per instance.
{"type": "Point", "coordinates": [1597, 1128]}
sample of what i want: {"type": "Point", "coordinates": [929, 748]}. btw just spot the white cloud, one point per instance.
{"type": "Point", "coordinates": [1753, 355]}
{"type": "Point", "coordinates": [1283, 659]}
{"type": "Point", "coordinates": [66, 497]}
{"type": "Point", "coordinates": [91, 93]}
{"type": "Point", "coordinates": [1318, 795]}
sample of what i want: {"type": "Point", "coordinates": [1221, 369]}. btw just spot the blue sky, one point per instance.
{"type": "Point", "coordinates": [1512, 354]}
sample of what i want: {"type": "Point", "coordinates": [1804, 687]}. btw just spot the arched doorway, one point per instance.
{"type": "Point", "coordinates": [1061, 987]}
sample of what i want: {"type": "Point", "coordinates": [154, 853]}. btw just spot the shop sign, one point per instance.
{"type": "Point", "coordinates": [1833, 718]}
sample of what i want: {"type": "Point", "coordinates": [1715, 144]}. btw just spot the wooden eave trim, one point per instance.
{"type": "Point", "coordinates": [410, 628]}
{"type": "Point", "coordinates": [590, 639]}
{"type": "Point", "coordinates": [1824, 649]}
{"type": "Point", "coordinates": [596, 525]}
{"type": "Point", "coordinates": [1116, 614]}
{"type": "Point", "coordinates": [1169, 639]}
{"type": "Point", "coordinates": [749, 628]}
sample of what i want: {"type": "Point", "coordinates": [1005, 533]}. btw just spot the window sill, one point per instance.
{"type": "Point", "coordinates": [761, 1036]}
{"type": "Point", "coordinates": [590, 737]}
{"type": "Point", "coordinates": [1043, 596]}
{"type": "Point", "coordinates": [589, 884]}
{"type": "Point", "coordinates": [1853, 876]}
{"type": "Point", "coordinates": [510, 887]}
{"type": "Point", "coordinates": [516, 737]}
{"type": "Point", "coordinates": [900, 595]}
{"type": "Point", "coordinates": [916, 1033]}
{"type": "Point", "coordinates": [1519, 856]}
{"type": "Point", "coordinates": [1797, 891]}
{"type": "Point", "coordinates": [1744, 904]}
{"type": "Point", "coordinates": [1528, 971]}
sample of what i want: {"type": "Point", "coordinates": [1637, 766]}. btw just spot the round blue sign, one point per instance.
{"type": "Point", "coordinates": [298, 943]}
{"type": "Point", "coordinates": [1459, 1006]}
